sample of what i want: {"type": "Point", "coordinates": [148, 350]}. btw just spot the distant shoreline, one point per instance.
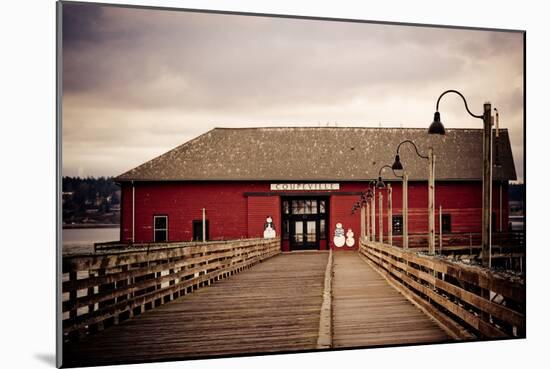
{"type": "Point", "coordinates": [89, 226]}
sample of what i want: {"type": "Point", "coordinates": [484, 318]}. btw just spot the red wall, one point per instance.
{"type": "Point", "coordinates": [340, 212]}
{"type": "Point", "coordinates": [463, 200]}
{"type": "Point", "coordinates": [259, 207]}
{"type": "Point", "coordinates": [233, 214]}
{"type": "Point", "coordinates": [225, 203]}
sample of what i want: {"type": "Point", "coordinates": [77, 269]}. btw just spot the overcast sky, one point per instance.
{"type": "Point", "coordinates": [138, 82]}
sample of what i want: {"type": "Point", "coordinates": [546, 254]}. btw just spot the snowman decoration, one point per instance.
{"type": "Point", "coordinates": [350, 241]}
{"type": "Point", "coordinates": [269, 228]}
{"type": "Point", "coordinates": [339, 239]}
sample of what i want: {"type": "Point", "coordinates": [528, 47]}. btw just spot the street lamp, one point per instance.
{"type": "Point", "coordinates": [381, 185]}
{"type": "Point", "coordinates": [437, 128]}
{"type": "Point", "coordinates": [364, 204]}
{"type": "Point", "coordinates": [397, 165]}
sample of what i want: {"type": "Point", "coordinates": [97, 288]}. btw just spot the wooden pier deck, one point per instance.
{"type": "Point", "coordinates": [367, 311]}
{"type": "Point", "coordinates": [275, 306]}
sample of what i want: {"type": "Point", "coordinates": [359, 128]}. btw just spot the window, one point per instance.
{"type": "Point", "coordinates": [322, 206]}
{"type": "Point", "coordinates": [397, 224]}
{"type": "Point", "coordinates": [286, 208]}
{"type": "Point", "coordinates": [197, 230]}
{"type": "Point", "coordinates": [311, 206]}
{"type": "Point", "coordinates": [304, 207]}
{"type": "Point", "coordinates": [286, 229]}
{"type": "Point", "coordinates": [311, 231]}
{"type": "Point", "coordinates": [297, 206]}
{"type": "Point", "coordinates": [446, 223]}
{"type": "Point", "coordinates": [299, 231]}
{"type": "Point", "coordinates": [160, 228]}
{"type": "Point", "coordinates": [322, 229]}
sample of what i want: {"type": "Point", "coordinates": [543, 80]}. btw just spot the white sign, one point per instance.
{"type": "Point", "coordinates": [304, 186]}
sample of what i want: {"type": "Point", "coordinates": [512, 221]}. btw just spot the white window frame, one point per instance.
{"type": "Point", "coordinates": [160, 229]}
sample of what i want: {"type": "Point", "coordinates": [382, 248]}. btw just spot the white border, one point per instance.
{"type": "Point", "coordinates": [28, 181]}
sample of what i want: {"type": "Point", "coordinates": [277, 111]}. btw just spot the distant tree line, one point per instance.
{"type": "Point", "coordinates": [90, 200]}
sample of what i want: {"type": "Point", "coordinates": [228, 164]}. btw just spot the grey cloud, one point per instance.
{"type": "Point", "coordinates": [137, 78]}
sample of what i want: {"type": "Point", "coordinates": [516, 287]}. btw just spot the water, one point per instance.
{"type": "Point", "coordinates": [77, 240]}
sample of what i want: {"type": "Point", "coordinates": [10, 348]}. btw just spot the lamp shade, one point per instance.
{"type": "Point", "coordinates": [369, 194]}
{"type": "Point", "coordinates": [436, 128]}
{"type": "Point", "coordinates": [397, 163]}
{"type": "Point", "coordinates": [380, 183]}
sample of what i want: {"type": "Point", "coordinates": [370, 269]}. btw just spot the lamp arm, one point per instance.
{"type": "Point", "coordinates": [415, 148]}
{"type": "Point", "coordinates": [388, 166]}
{"type": "Point", "coordinates": [381, 168]}
{"type": "Point", "coordinates": [463, 99]}
{"type": "Point", "coordinates": [395, 174]}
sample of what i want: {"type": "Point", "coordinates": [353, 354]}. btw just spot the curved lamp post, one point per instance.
{"type": "Point", "coordinates": [380, 184]}
{"type": "Point", "coordinates": [437, 128]}
{"type": "Point", "coordinates": [364, 204]}
{"type": "Point", "coordinates": [397, 165]}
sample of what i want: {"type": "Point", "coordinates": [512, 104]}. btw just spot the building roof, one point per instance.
{"type": "Point", "coordinates": [322, 154]}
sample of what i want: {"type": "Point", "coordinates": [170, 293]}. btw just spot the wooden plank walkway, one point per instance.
{"type": "Point", "coordinates": [367, 311]}
{"type": "Point", "coordinates": [275, 306]}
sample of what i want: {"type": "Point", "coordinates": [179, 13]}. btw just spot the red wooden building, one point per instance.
{"type": "Point", "coordinates": [307, 180]}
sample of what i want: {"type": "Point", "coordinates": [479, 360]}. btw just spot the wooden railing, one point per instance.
{"type": "Point", "coordinates": [507, 248]}
{"type": "Point", "coordinates": [105, 288]}
{"type": "Point", "coordinates": [469, 301]}
{"type": "Point", "coordinates": [463, 239]}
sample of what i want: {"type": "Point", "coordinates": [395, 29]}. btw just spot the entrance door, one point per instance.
{"type": "Point", "coordinates": [304, 222]}
{"type": "Point", "coordinates": [305, 235]}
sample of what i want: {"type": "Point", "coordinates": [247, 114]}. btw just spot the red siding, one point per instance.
{"type": "Point", "coordinates": [462, 200]}
{"type": "Point", "coordinates": [340, 212]}
{"type": "Point", "coordinates": [225, 203]}
{"type": "Point", "coordinates": [259, 208]}
{"type": "Point", "coordinates": [234, 214]}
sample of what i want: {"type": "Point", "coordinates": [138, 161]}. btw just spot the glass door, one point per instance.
{"type": "Point", "coordinates": [304, 234]}
{"type": "Point", "coordinates": [304, 222]}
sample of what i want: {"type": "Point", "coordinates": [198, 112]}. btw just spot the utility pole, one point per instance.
{"type": "Point", "coordinates": [486, 219]}
{"type": "Point", "coordinates": [203, 225]}
{"type": "Point", "coordinates": [436, 127]}
{"type": "Point", "coordinates": [368, 222]}
{"type": "Point", "coordinates": [431, 202]}
{"type": "Point", "coordinates": [380, 218]}
{"type": "Point", "coordinates": [440, 230]}
{"type": "Point", "coordinates": [373, 216]}
{"type": "Point", "coordinates": [390, 216]}
{"type": "Point", "coordinates": [362, 223]}
{"type": "Point", "coordinates": [405, 210]}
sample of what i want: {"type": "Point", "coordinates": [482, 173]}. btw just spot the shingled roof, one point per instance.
{"type": "Point", "coordinates": [322, 154]}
